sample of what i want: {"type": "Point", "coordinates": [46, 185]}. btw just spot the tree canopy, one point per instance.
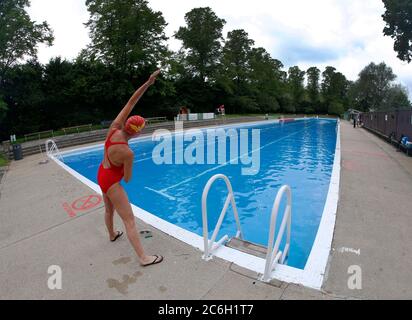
{"type": "Point", "coordinates": [19, 35]}
{"type": "Point", "coordinates": [129, 42]}
{"type": "Point", "coordinates": [398, 18]}
{"type": "Point", "coordinates": [126, 35]}
{"type": "Point", "coordinates": [375, 89]}
{"type": "Point", "coordinates": [201, 40]}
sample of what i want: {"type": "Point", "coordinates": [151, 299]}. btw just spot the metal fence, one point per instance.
{"type": "Point", "coordinates": [389, 124]}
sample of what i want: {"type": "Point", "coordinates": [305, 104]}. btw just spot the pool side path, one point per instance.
{"type": "Point", "coordinates": [38, 229]}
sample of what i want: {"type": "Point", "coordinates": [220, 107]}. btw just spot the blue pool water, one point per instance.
{"type": "Point", "coordinates": [299, 154]}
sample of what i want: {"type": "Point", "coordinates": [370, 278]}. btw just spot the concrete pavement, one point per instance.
{"type": "Point", "coordinates": [374, 219]}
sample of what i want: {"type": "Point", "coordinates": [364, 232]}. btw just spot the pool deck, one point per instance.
{"type": "Point", "coordinates": [373, 231]}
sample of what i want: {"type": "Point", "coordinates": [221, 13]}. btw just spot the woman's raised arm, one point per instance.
{"type": "Point", "coordinates": [127, 109]}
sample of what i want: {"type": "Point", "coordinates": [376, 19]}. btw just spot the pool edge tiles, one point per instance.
{"type": "Point", "coordinates": [311, 276]}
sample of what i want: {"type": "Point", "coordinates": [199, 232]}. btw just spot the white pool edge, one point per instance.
{"type": "Point", "coordinates": [311, 276]}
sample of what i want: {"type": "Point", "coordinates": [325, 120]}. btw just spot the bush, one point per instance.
{"type": "Point", "coordinates": [3, 160]}
{"type": "Point", "coordinates": [336, 108]}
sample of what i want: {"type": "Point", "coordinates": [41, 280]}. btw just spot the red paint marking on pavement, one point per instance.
{"type": "Point", "coordinates": [69, 210]}
{"type": "Point", "coordinates": [86, 203]}
{"type": "Point", "coordinates": [349, 165]}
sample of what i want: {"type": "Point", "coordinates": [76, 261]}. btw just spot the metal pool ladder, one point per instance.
{"type": "Point", "coordinates": [53, 152]}
{"type": "Point", "coordinates": [210, 246]}
{"type": "Point", "coordinates": [273, 255]}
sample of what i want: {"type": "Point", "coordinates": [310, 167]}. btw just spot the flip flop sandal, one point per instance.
{"type": "Point", "coordinates": [146, 233]}
{"type": "Point", "coordinates": [119, 234]}
{"type": "Point", "coordinates": [157, 260]}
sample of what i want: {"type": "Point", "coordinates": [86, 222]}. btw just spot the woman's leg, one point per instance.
{"type": "Point", "coordinates": [108, 216]}
{"type": "Point", "coordinates": [120, 201]}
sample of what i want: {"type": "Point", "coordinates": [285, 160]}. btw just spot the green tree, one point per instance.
{"type": "Point", "coordinates": [19, 35]}
{"type": "Point", "coordinates": [201, 40]}
{"type": "Point", "coordinates": [93, 91]}
{"type": "Point", "coordinates": [3, 110]}
{"type": "Point", "coordinates": [267, 80]}
{"type": "Point", "coordinates": [128, 38]}
{"type": "Point", "coordinates": [296, 77]}
{"type": "Point", "coordinates": [58, 83]}
{"type": "Point", "coordinates": [327, 86]}
{"type": "Point", "coordinates": [334, 89]}
{"type": "Point", "coordinates": [398, 18]}
{"type": "Point", "coordinates": [24, 97]}
{"type": "Point", "coordinates": [235, 59]}
{"type": "Point", "coordinates": [233, 75]}
{"type": "Point", "coordinates": [336, 108]}
{"type": "Point", "coordinates": [373, 85]}
{"type": "Point", "coordinates": [397, 98]}
{"type": "Point", "coordinates": [313, 89]}
{"type": "Point", "coordinates": [126, 35]}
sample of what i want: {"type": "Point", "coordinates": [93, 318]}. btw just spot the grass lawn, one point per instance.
{"type": "Point", "coordinates": [3, 161]}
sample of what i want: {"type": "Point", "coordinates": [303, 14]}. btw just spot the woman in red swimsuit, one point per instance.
{"type": "Point", "coordinates": [117, 165]}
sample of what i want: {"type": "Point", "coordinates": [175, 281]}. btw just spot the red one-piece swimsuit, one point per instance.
{"type": "Point", "coordinates": [106, 177]}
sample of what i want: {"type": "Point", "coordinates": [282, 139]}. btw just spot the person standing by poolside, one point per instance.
{"type": "Point", "coordinates": [117, 165]}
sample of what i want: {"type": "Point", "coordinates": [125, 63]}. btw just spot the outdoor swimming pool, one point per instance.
{"type": "Point", "coordinates": [299, 153]}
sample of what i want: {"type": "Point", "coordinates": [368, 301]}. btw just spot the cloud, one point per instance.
{"type": "Point", "coordinates": [346, 34]}
{"type": "Point", "coordinates": [66, 18]}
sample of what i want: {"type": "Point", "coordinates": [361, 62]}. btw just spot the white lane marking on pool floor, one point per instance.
{"type": "Point", "coordinates": [208, 144]}
{"type": "Point", "coordinates": [162, 192]}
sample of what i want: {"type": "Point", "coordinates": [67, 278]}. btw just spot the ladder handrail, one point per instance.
{"type": "Point", "coordinates": [274, 255]}
{"type": "Point", "coordinates": [53, 150]}
{"type": "Point", "coordinates": [209, 246]}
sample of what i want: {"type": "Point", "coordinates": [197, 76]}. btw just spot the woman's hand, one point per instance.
{"type": "Point", "coordinates": [153, 77]}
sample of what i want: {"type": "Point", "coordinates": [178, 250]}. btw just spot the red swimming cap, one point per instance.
{"type": "Point", "coordinates": [134, 125]}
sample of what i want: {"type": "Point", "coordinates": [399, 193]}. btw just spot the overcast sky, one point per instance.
{"type": "Point", "coordinates": [345, 34]}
